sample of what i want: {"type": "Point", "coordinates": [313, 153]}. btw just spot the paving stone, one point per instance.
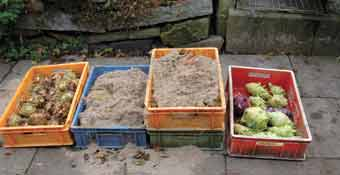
{"type": "Point", "coordinates": [238, 166]}
{"type": "Point", "coordinates": [52, 161]}
{"type": "Point", "coordinates": [15, 161]}
{"type": "Point", "coordinates": [4, 69]}
{"type": "Point", "coordinates": [215, 165]}
{"type": "Point", "coordinates": [323, 118]}
{"type": "Point", "coordinates": [13, 79]}
{"type": "Point", "coordinates": [279, 62]}
{"type": "Point", "coordinates": [5, 97]}
{"type": "Point", "coordinates": [317, 76]}
{"type": "Point", "coordinates": [118, 61]}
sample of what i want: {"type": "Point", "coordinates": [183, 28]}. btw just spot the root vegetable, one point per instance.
{"type": "Point", "coordinates": [27, 109]}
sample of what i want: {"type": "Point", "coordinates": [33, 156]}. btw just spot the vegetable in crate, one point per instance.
{"type": "Point", "coordinates": [241, 102]}
{"type": "Point", "coordinates": [257, 102]}
{"type": "Point", "coordinates": [48, 100]}
{"type": "Point", "coordinates": [256, 89]}
{"type": "Point", "coordinates": [243, 130]}
{"type": "Point", "coordinates": [255, 118]}
{"type": "Point", "coordinates": [266, 134]}
{"type": "Point", "coordinates": [276, 90]}
{"type": "Point", "coordinates": [279, 119]}
{"type": "Point", "coordinates": [283, 110]}
{"type": "Point", "coordinates": [283, 131]}
{"type": "Point", "coordinates": [278, 101]}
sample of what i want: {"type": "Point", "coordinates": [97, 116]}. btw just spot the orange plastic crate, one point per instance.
{"type": "Point", "coordinates": [47, 135]}
{"type": "Point", "coordinates": [259, 147]}
{"type": "Point", "coordinates": [185, 117]}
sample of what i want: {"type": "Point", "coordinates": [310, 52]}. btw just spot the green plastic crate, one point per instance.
{"type": "Point", "coordinates": [205, 139]}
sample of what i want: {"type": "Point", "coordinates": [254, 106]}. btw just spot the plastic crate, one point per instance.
{"type": "Point", "coordinates": [205, 139]}
{"type": "Point", "coordinates": [200, 118]}
{"type": "Point", "coordinates": [45, 135]}
{"type": "Point", "coordinates": [116, 136]}
{"type": "Point", "coordinates": [271, 148]}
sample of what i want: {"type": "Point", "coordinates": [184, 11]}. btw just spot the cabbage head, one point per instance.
{"type": "Point", "coordinates": [278, 101]}
{"type": "Point", "coordinates": [276, 90]}
{"type": "Point", "coordinates": [279, 119]}
{"type": "Point", "coordinates": [283, 131]}
{"type": "Point", "coordinates": [256, 89]}
{"type": "Point", "coordinates": [243, 130]}
{"type": "Point", "coordinates": [255, 118]}
{"type": "Point", "coordinates": [257, 102]}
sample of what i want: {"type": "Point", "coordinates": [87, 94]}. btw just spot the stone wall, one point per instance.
{"type": "Point", "coordinates": [192, 23]}
{"type": "Point", "coordinates": [187, 23]}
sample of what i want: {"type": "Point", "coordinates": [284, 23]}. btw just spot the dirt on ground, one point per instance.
{"type": "Point", "coordinates": [187, 160]}
{"type": "Point", "coordinates": [181, 79]}
{"type": "Point", "coordinates": [116, 98]}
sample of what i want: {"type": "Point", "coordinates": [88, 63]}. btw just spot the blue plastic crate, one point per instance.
{"type": "Point", "coordinates": [116, 136]}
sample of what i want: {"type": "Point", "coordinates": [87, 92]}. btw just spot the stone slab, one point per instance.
{"type": "Point", "coordinates": [263, 61]}
{"type": "Point", "coordinates": [317, 76]}
{"type": "Point", "coordinates": [139, 47]}
{"type": "Point", "coordinates": [323, 117]}
{"type": "Point", "coordinates": [185, 32]}
{"type": "Point", "coordinates": [250, 32]}
{"type": "Point", "coordinates": [118, 61]}
{"type": "Point", "coordinates": [118, 36]}
{"type": "Point", "coordinates": [56, 21]}
{"type": "Point", "coordinates": [238, 166]}
{"type": "Point", "coordinates": [4, 69]}
{"type": "Point", "coordinates": [327, 37]}
{"type": "Point", "coordinates": [60, 21]}
{"type": "Point", "coordinates": [52, 161]}
{"type": "Point", "coordinates": [15, 161]}
{"type": "Point", "coordinates": [186, 10]}
{"type": "Point", "coordinates": [212, 41]}
{"type": "Point", "coordinates": [222, 16]}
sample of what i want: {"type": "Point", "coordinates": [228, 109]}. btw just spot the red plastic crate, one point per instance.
{"type": "Point", "coordinates": [271, 148]}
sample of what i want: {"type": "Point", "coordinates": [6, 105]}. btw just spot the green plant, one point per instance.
{"type": "Point", "coordinates": [10, 10]}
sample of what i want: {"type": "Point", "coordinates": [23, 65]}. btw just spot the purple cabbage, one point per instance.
{"type": "Point", "coordinates": [241, 102]}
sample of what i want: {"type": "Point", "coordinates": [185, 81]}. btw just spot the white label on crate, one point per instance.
{"type": "Point", "coordinates": [263, 143]}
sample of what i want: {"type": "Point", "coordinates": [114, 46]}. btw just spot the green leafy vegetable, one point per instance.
{"type": "Point", "coordinates": [283, 131]}
{"type": "Point", "coordinates": [278, 101]}
{"type": "Point", "coordinates": [243, 130]}
{"type": "Point", "coordinates": [279, 119]}
{"type": "Point", "coordinates": [255, 118]}
{"type": "Point", "coordinates": [276, 90]}
{"type": "Point", "coordinates": [265, 134]}
{"type": "Point", "coordinates": [256, 89]}
{"type": "Point", "coordinates": [257, 102]}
